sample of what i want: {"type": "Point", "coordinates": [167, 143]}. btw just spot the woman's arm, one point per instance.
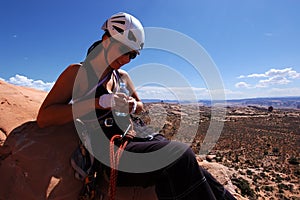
{"type": "Point", "coordinates": [56, 108]}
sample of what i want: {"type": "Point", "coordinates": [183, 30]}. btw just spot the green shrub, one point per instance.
{"type": "Point", "coordinates": [293, 161]}
{"type": "Point", "coordinates": [275, 150]}
{"type": "Point", "coordinates": [268, 188]}
{"type": "Point", "coordinates": [282, 186]}
{"type": "Point", "coordinates": [278, 178]}
{"type": "Point", "coordinates": [244, 186]}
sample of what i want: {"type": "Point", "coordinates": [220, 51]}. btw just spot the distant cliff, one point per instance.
{"type": "Point", "coordinates": [276, 102]}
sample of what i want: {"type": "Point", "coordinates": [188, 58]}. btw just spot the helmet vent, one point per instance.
{"type": "Point", "coordinates": [118, 16]}
{"type": "Point", "coordinates": [121, 31]}
{"type": "Point", "coordinates": [131, 36]}
{"type": "Point", "coordinates": [119, 21]}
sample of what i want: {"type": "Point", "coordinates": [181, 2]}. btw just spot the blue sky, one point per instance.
{"type": "Point", "coordinates": [253, 43]}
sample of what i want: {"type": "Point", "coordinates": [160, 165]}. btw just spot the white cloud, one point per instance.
{"type": "Point", "coordinates": [242, 85]}
{"type": "Point", "coordinates": [294, 75]}
{"type": "Point", "coordinates": [257, 75]}
{"type": "Point", "coordinates": [273, 77]}
{"type": "Point", "coordinates": [36, 84]}
{"type": "Point", "coordinates": [275, 80]}
{"type": "Point", "coordinates": [281, 72]}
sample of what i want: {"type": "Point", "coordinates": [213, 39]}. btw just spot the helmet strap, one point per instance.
{"type": "Point", "coordinates": [105, 54]}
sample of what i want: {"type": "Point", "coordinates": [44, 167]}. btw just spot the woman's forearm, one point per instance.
{"type": "Point", "coordinates": [59, 114]}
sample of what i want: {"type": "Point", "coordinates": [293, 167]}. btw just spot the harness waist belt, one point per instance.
{"type": "Point", "coordinates": [107, 122]}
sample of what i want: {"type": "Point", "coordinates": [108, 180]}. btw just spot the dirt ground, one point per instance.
{"type": "Point", "coordinates": [262, 146]}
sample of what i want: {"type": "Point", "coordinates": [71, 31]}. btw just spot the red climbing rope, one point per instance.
{"type": "Point", "coordinates": [114, 162]}
{"type": "Point", "coordinates": [115, 158]}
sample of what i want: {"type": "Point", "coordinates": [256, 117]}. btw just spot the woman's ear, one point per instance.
{"type": "Point", "coordinates": [105, 41]}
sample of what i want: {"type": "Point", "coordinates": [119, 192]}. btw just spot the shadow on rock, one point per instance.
{"type": "Point", "coordinates": [35, 163]}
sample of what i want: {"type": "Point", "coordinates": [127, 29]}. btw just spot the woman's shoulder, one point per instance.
{"type": "Point", "coordinates": [72, 69]}
{"type": "Point", "coordinates": [69, 74]}
{"type": "Point", "coordinates": [122, 73]}
{"type": "Point", "coordinates": [74, 66]}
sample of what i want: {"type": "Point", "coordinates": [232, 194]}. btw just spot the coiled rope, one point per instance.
{"type": "Point", "coordinates": [116, 156]}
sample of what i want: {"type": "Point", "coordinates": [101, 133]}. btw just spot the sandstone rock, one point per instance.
{"type": "Point", "coordinates": [222, 174]}
{"type": "Point", "coordinates": [211, 158]}
{"type": "Point", "coordinates": [2, 137]}
{"type": "Point", "coordinates": [35, 163]}
{"type": "Point", "coordinates": [18, 105]}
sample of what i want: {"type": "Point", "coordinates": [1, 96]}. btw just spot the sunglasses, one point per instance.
{"type": "Point", "coordinates": [127, 52]}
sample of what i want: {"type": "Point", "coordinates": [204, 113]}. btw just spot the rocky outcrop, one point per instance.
{"type": "Point", "coordinates": [17, 106]}
{"type": "Point", "coordinates": [35, 163]}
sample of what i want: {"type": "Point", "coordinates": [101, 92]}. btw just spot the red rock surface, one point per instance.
{"type": "Point", "coordinates": [17, 105]}
{"type": "Point", "coordinates": [36, 164]}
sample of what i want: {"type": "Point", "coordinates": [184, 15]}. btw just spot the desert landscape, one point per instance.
{"type": "Point", "coordinates": [258, 147]}
{"type": "Point", "coordinates": [261, 145]}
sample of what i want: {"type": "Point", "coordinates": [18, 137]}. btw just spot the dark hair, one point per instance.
{"type": "Point", "coordinates": [95, 44]}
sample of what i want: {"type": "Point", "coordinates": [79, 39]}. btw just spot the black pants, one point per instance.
{"type": "Point", "coordinates": [178, 178]}
{"type": "Point", "coordinates": [183, 179]}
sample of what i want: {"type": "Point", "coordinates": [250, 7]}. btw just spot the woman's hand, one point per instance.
{"type": "Point", "coordinates": [124, 103]}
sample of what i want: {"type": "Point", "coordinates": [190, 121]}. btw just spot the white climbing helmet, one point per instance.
{"type": "Point", "coordinates": [126, 29]}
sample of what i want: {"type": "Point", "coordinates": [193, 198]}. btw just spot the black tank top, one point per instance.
{"type": "Point", "coordinates": [96, 88]}
{"type": "Point", "coordinates": [120, 123]}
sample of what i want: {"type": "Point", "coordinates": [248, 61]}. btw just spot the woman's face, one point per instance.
{"type": "Point", "coordinates": [119, 55]}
